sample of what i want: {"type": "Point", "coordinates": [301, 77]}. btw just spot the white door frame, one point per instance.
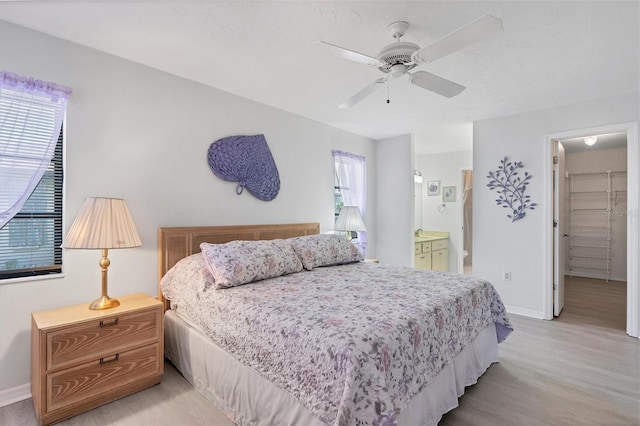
{"type": "Point", "coordinates": [633, 217]}
{"type": "Point", "coordinates": [558, 228]}
{"type": "Point", "coordinates": [460, 241]}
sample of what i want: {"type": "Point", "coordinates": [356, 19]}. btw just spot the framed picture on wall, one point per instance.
{"type": "Point", "coordinates": [433, 187]}
{"type": "Point", "coordinates": [449, 194]}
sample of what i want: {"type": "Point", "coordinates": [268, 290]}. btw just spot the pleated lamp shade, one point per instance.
{"type": "Point", "coordinates": [103, 223]}
{"type": "Point", "coordinates": [350, 219]}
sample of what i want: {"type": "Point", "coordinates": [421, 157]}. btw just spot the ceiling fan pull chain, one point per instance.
{"type": "Point", "coordinates": [388, 84]}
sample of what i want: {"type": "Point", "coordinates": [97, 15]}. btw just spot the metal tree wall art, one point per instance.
{"type": "Point", "coordinates": [511, 186]}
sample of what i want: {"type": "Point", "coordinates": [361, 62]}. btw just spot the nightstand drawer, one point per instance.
{"type": "Point", "coordinates": [100, 337]}
{"type": "Point", "coordinates": [102, 376]}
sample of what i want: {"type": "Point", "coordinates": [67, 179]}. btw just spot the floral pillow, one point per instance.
{"type": "Point", "coordinates": [324, 250]}
{"type": "Point", "coordinates": [186, 280]}
{"type": "Point", "coordinates": [241, 262]}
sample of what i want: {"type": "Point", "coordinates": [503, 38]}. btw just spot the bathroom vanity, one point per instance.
{"type": "Point", "coordinates": [432, 250]}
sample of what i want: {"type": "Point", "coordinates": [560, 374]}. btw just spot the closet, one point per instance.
{"type": "Point", "coordinates": [597, 202]}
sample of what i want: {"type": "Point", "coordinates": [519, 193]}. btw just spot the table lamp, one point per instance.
{"type": "Point", "coordinates": [350, 220]}
{"type": "Point", "coordinates": [103, 223]}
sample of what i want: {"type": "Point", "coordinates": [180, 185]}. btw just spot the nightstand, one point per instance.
{"type": "Point", "coordinates": [81, 359]}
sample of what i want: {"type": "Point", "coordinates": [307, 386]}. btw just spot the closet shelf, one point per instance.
{"type": "Point", "coordinates": [590, 192]}
{"type": "Point", "coordinates": [602, 174]}
{"type": "Point", "coordinates": [592, 268]}
{"type": "Point", "coordinates": [574, 246]}
{"type": "Point", "coordinates": [590, 229]}
{"type": "Point", "coordinates": [590, 257]}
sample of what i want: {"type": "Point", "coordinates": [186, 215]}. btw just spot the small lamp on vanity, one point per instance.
{"type": "Point", "coordinates": [103, 223]}
{"type": "Point", "coordinates": [350, 220]}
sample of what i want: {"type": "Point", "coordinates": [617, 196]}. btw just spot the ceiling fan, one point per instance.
{"type": "Point", "coordinates": [397, 59]}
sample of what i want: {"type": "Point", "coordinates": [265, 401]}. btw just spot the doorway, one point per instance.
{"type": "Point", "coordinates": [592, 177]}
{"type": "Point", "coordinates": [595, 260]}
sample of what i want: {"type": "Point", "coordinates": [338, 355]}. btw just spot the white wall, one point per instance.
{"type": "Point", "coordinates": [140, 134]}
{"type": "Point", "coordinates": [599, 161]}
{"type": "Point", "coordinates": [395, 207]}
{"type": "Point", "coordinates": [500, 245]}
{"type": "Point", "coordinates": [447, 168]}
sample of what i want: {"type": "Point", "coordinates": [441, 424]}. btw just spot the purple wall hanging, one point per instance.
{"type": "Point", "coordinates": [248, 161]}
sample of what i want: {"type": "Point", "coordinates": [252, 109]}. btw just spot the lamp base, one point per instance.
{"type": "Point", "coordinates": [105, 302]}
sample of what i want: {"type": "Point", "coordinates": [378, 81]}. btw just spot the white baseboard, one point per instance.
{"type": "Point", "coordinates": [524, 312]}
{"type": "Point", "coordinates": [19, 393]}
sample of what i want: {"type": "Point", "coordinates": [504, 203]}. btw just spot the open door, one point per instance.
{"type": "Point", "coordinates": [559, 233]}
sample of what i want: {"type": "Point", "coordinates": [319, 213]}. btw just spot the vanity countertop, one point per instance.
{"type": "Point", "coordinates": [425, 239]}
{"type": "Point", "coordinates": [425, 236]}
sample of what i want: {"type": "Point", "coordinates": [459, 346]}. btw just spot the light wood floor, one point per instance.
{"type": "Point", "coordinates": [595, 303]}
{"type": "Point", "coordinates": [581, 369]}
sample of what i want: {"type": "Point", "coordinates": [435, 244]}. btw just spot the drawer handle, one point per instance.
{"type": "Point", "coordinates": [103, 325]}
{"type": "Point", "coordinates": [115, 358]}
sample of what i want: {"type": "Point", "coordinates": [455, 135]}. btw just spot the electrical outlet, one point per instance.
{"type": "Point", "coordinates": [506, 276]}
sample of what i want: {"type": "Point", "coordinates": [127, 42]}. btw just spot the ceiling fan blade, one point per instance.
{"type": "Point", "coordinates": [351, 55]}
{"type": "Point", "coordinates": [363, 93]}
{"type": "Point", "coordinates": [478, 30]}
{"type": "Point", "coordinates": [436, 84]}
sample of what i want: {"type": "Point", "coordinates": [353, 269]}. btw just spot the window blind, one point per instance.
{"type": "Point", "coordinates": [31, 113]}
{"type": "Point", "coordinates": [30, 241]}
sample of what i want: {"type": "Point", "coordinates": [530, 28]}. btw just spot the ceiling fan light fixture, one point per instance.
{"type": "Point", "coordinates": [398, 70]}
{"type": "Point", "coordinates": [590, 140]}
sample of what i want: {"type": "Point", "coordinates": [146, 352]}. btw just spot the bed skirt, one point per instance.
{"type": "Point", "coordinates": [248, 399]}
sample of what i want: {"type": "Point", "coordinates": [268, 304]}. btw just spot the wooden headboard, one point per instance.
{"type": "Point", "coordinates": [177, 243]}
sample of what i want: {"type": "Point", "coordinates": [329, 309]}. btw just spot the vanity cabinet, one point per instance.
{"type": "Point", "coordinates": [433, 254]}
{"type": "Point", "coordinates": [423, 255]}
{"type": "Point", "coordinates": [440, 255]}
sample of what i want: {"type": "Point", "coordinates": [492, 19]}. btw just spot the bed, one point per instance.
{"type": "Point", "coordinates": [343, 343]}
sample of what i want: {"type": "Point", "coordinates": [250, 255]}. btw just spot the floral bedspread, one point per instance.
{"type": "Point", "coordinates": [352, 343]}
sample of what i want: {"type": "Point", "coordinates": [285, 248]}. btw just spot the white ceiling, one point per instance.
{"type": "Point", "coordinates": [550, 53]}
{"type": "Point", "coordinates": [604, 141]}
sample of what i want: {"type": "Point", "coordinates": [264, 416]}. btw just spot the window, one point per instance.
{"type": "Point", "coordinates": [30, 241]}
{"type": "Point", "coordinates": [31, 114]}
{"type": "Point", "coordinates": [350, 186]}
{"type": "Point", "coordinates": [337, 194]}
